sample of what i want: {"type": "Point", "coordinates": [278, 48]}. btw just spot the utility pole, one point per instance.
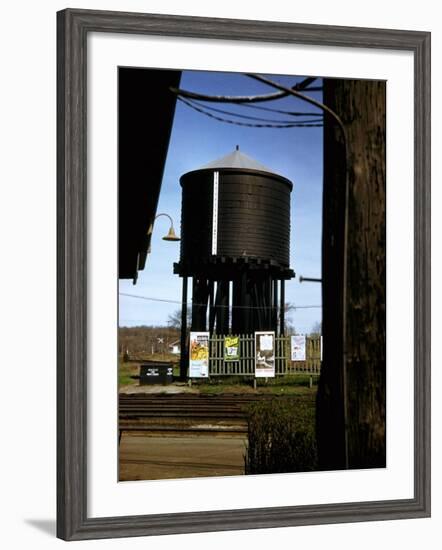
{"type": "Point", "coordinates": [351, 391]}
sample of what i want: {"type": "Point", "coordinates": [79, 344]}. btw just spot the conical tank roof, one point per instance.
{"type": "Point", "coordinates": [237, 159]}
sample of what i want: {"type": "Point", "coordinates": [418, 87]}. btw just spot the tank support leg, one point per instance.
{"type": "Point", "coordinates": [282, 309]}
{"type": "Point", "coordinates": [183, 351]}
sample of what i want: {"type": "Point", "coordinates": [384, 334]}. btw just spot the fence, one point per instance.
{"type": "Point", "coordinates": [245, 365]}
{"type": "Point", "coordinates": [312, 364]}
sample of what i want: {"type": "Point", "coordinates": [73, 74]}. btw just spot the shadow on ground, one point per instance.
{"type": "Point", "coordinates": [47, 526]}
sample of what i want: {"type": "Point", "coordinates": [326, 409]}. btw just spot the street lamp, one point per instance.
{"type": "Point", "coordinates": [171, 235]}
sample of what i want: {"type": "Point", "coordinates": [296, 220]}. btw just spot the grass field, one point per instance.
{"type": "Point", "coordinates": [126, 370]}
{"type": "Point", "coordinates": [288, 385]}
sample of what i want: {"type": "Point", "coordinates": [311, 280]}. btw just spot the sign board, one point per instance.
{"type": "Point", "coordinates": [264, 354]}
{"type": "Point", "coordinates": [231, 348]}
{"type": "Point", "coordinates": [298, 347]}
{"type": "Point", "coordinates": [156, 374]}
{"type": "Point", "coordinates": [199, 355]}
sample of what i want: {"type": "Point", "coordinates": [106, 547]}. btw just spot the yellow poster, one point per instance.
{"type": "Point", "coordinates": [231, 348]}
{"type": "Point", "coordinates": [199, 355]}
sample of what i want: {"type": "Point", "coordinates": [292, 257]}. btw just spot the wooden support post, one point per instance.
{"type": "Point", "coordinates": [200, 296]}
{"type": "Point", "coordinates": [282, 309]}
{"type": "Point", "coordinates": [236, 301]}
{"type": "Point", "coordinates": [257, 313]}
{"type": "Point", "coordinates": [212, 310]}
{"type": "Point", "coordinates": [183, 350]}
{"type": "Point", "coordinates": [275, 306]}
{"type": "Point", "coordinates": [269, 303]}
{"type": "Point", "coordinates": [224, 309]}
{"type": "Point", "coordinates": [245, 312]}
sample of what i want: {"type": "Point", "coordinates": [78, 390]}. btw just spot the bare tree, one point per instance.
{"type": "Point", "coordinates": [289, 308]}
{"type": "Point", "coordinates": [316, 328]}
{"type": "Point", "coordinates": [174, 319]}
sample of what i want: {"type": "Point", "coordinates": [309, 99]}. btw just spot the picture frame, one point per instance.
{"type": "Point", "coordinates": [73, 26]}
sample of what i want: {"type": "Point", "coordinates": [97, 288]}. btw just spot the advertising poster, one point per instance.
{"type": "Point", "coordinates": [264, 354]}
{"type": "Point", "coordinates": [298, 347]}
{"type": "Point", "coordinates": [199, 355]}
{"type": "Point", "coordinates": [231, 348]}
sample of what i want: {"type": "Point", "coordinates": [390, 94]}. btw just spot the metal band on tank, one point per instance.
{"type": "Point", "coordinates": [215, 213]}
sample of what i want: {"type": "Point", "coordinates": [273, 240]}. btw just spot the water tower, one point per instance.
{"type": "Point", "coordinates": [235, 245]}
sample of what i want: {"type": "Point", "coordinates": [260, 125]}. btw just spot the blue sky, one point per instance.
{"type": "Point", "coordinates": [196, 139]}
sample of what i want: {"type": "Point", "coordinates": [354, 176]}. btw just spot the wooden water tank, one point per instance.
{"type": "Point", "coordinates": [234, 208]}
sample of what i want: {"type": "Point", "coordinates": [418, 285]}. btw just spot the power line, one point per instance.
{"type": "Point", "coordinates": [308, 99]}
{"type": "Point", "coordinates": [242, 99]}
{"type": "Point", "coordinates": [281, 111]}
{"type": "Point", "coordinates": [166, 300]}
{"type": "Point", "coordinates": [278, 121]}
{"type": "Point", "coordinates": [249, 125]}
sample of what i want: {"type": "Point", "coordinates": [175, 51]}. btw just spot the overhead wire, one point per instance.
{"type": "Point", "coordinates": [232, 113]}
{"type": "Point", "coordinates": [282, 111]}
{"type": "Point", "coordinates": [179, 302]}
{"type": "Point", "coordinates": [250, 125]}
{"type": "Point", "coordinates": [194, 99]}
{"type": "Point", "coordinates": [304, 97]}
{"type": "Point", "coordinates": [241, 99]}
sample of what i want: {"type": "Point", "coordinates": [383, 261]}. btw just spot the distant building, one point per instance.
{"type": "Point", "coordinates": [174, 347]}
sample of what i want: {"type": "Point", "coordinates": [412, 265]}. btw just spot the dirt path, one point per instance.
{"type": "Point", "coordinates": [144, 456]}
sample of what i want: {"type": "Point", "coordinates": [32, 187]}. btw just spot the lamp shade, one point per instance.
{"type": "Point", "coordinates": [171, 236]}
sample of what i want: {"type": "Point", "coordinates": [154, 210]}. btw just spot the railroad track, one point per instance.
{"type": "Point", "coordinates": [183, 413]}
{"type": "Point", "coordinates": [192, 406]}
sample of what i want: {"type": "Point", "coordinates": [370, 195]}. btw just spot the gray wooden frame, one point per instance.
{"type": "Point", "coordinates": [73, 27]}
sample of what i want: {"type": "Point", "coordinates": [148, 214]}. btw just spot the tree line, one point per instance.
{"type": "Point", "coordinates": [157, 339]}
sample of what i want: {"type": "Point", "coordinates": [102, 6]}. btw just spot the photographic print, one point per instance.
{"type": "Point", "coordinates": [251, 252]}
{"type": "Point", "coordinates": [222, 194]}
